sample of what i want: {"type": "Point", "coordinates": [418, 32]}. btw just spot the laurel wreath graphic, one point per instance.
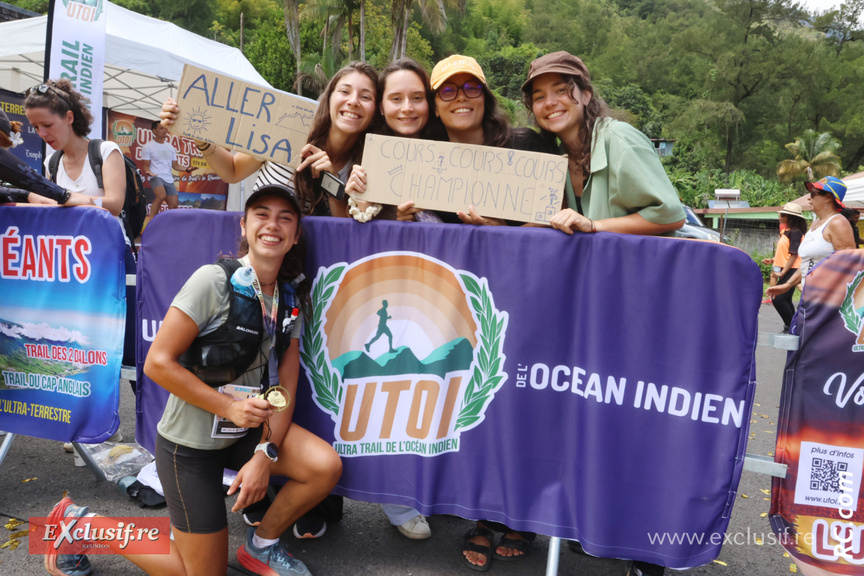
{"type": "Point", "coordinates": [325, 382]}
{"type": "Point", "coordinates": [487, 375]}
{"type": "Point", "coordinates": [847, 311]}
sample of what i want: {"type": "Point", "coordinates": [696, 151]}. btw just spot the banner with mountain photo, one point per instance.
{"type": "Point", "coordinates": [62, 314]}
{"type": "Point", "coordinates": [199, 189]}
{"type": "Point", "coordinates": [515, 374]}
{"type": "Point", "coordinates": [817, 511]}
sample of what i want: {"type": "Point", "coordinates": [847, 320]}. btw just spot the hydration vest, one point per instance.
{"type": "Point", "coordinates": [221, 356]}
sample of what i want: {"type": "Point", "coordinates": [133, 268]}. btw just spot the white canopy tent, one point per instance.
{"type": "Point", "coordinates": [855, 190]}
{"type": "Point", "coordinates": [144, 59]}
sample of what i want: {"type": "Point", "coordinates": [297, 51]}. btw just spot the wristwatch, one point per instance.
{"type": "Point", "coordinates": [269, 449]}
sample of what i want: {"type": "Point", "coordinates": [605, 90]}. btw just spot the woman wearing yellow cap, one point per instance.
{"type": "Point", "coordinates": [469, 113]}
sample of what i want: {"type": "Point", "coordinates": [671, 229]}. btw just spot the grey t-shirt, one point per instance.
{"type": "Point", "coordinates": [205, 299]}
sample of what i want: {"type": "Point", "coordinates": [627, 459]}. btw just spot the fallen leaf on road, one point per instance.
{"type": "Point", "coordinates": [13, 523]}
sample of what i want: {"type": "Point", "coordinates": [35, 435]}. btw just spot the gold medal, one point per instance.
{"type": "Point", "coordinates": [278, 397]}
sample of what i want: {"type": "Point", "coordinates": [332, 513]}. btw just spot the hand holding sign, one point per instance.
{"type": "Point", "coordinates": [260, 121]}
{"type": "Point", "coordinates": [497, 182]}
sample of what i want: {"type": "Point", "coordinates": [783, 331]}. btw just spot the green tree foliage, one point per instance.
{"type": "Point", "coordinates": [40, 6]}
{"type": "Point", "coordinates": [731, 81]}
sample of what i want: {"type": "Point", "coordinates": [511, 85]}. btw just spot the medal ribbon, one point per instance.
{"type": "Point", "coordinates": [269, 322]}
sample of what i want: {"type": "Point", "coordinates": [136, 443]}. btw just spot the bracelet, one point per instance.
{"type": "Point", "coordinates": [593, 228]}
{"type": "Point", "coordinates": [206, 146]}
{"type": "Point", "coordinates": [365, 215]}
{"type": "Point", "coordinates": [66, 195]}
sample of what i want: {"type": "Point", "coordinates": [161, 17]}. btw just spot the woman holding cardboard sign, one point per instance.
{"type": "Point", "coordinates": [615, 181]}
{"type": "Point", "coordinates": [344, 114]}
{"type": "Point", "coordinates": [406, 100]}
{"type": "Point", "coordinates": [468, 112]}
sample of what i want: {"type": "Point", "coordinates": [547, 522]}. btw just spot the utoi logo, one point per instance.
{"type": "Point", "coordinates": [852, 310]}
{"type": "Point", "coordinates": [404, 352]}
{"type": "Point", "coordinates": [86, 10]}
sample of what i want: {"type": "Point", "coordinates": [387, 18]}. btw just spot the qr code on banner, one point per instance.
{"type": "Point", "coordinates": [826, 472]}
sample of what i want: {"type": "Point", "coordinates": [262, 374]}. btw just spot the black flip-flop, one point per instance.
{"type": "Point", "coordinates": [522, 545]}
{"type": "Point", "coordinates": [486, 551]}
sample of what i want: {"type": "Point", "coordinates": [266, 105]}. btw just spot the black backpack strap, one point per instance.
{"type": "Point", "coordinates": [53, 164]}
{"type": "Point", "coordinates": [94, 152]}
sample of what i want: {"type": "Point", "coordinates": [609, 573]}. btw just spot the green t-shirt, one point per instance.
{"type": "Point", "coordinates": [205, 299]}
{"type": "Point", "coordinates": [626, 177]}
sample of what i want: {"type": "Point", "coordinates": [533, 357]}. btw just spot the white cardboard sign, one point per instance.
{"type": "Point", "coordinates": [263, 122]}
{"type": "Point", "coordinates": [498, 182]}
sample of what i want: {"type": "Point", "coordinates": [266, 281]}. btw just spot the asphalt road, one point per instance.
{"type": "Point", "coordinates": [364, 543]}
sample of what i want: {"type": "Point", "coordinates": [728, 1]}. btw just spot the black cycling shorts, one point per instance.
{"type": "Point", "coordinates": [192, 481]}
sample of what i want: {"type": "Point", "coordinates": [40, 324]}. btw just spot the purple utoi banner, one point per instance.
{"type": "Point", "coordinates": [593, 387]}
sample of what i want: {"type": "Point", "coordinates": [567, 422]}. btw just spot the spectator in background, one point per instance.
{"type": "Point", "coordinates": [786, 259]}
{"type": "Point", "coordinates": [30, 186]}
{"type": "Point", "coordinates": [829, 232]}
{"type": "Point", "coordinates": [852, 215]}
{"type": "Point", "coordinates": [160, 158]}
{"type": "Point", "coordinates": [60, 116]}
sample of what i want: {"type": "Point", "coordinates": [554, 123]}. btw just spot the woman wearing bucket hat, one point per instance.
{"type": "Point", "coordinates": [615, 181]}
{"type": "Point", "coordinates": [829, 232]}
{"type": "Point", "coordinates": [786, 259]}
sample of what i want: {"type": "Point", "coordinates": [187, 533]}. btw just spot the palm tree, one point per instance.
{"type": "Point", "coordinates": [432, 12]}
{"type": "Point", "coordinates": [337, 16]}
{"type": "Point", "coordinates": [314, 73]}
{"type": "Point", "coordinates": [292, 30]}
{"type": "Point", "coordinates": [813, 157]}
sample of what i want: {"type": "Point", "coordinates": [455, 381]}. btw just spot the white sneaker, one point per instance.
{"type": "Point", "coordinates": [416, 529]}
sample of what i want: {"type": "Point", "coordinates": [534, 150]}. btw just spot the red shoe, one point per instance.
{"type": "Point", "coordinates": [66, 564]}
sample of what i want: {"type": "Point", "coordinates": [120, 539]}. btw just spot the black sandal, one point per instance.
{"type": "Point", "coordinates": [486, 551]}
{"type": "Point", "coordinates": [522, 545]}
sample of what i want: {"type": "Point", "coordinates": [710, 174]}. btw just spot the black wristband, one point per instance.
{"type": "Point", "coordinates": [66, 195]}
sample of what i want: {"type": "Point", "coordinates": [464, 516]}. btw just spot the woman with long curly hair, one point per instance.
{"type": "Point", "coordinates": [345, 113]}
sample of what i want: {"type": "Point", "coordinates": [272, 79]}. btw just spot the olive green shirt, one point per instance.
{"type": "Point", "coordinates": [626, 178]}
